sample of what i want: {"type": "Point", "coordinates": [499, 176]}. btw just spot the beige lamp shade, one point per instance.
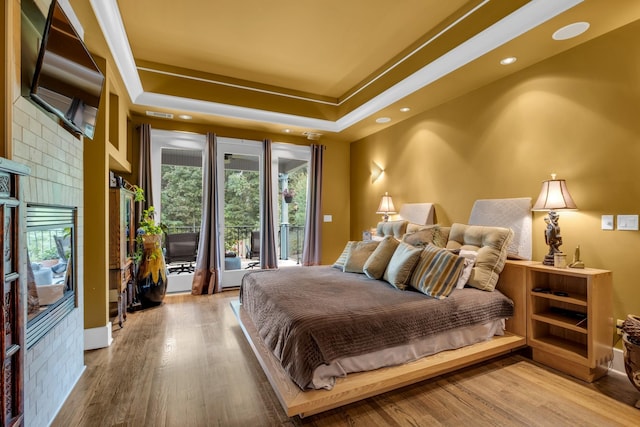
{"type": "Point", "coordinates": [386, 207]}
{"type": "Point", "coordinates": [554, 195]}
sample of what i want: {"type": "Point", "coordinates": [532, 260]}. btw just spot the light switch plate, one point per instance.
{"type": "Point", "coordinates": [607, 222]}
{"type": "Point", "coordinates": [627, 222]}
{"type": "Point", "coordinates": [328, 218]}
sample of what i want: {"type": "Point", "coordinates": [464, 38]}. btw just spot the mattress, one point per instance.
{"type": "Point", "coordinates": [313, 316]}
{"type": "Point", "coordinates": [324, 376]}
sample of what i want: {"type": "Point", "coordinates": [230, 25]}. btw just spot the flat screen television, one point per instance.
{"type": "Point", "coordinates": [67, 81]}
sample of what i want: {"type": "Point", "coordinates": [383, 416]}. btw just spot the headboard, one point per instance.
{"type": "Point", "coordinates": [511, 213]}
{"type": "Point", "coordinates": [417, 213]}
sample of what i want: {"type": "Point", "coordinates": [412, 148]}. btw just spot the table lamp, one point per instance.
{"type": "Point", "coordinates": [386, 207]}
{"type": "Point", "coordinates": [554, 196]}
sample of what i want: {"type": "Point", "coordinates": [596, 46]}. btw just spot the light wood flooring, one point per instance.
{"type": "Point", "coordinates": [187, 363]}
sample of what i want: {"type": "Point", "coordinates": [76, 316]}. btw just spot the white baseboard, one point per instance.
{"type": "Point", "coordinates": [618, 362]}
{"type": "Point", "coordinates": [98, 337]}
{"type": "Point", "coordinates": [179, 282]}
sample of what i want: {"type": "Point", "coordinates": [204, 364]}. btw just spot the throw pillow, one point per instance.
{"type": "Point", "coordinates": [437, 272]}
{"type": "Point", "coordinates": [423, 237]}
{"type": "Point", "coordinates": [377, 263]}
{"type": "Point", "coordinates": [357, 255]}
{"type": "Point", "coordinates": [392, 228]}
{"type": "Point", "coordinates": [401, 265]}
{"type": "Point", "coordinates": [491, 243]}
{"type": "Point", "coordinates": [469, 262]}
{"type": "Point", "coordinates": [343, 256]}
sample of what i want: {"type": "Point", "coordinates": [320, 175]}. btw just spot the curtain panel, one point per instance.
{"type": "Point", "coordinates": [311, 251]}
{"type": "Point", "coordinates": [206, 277]}
{"type": "Point", "coordinates": [144, 168]}
{"type": "Point", "coordinates": [268, 254]}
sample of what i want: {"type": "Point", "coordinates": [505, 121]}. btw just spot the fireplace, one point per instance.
{"type": "Point", "coordinates": [51, 276]}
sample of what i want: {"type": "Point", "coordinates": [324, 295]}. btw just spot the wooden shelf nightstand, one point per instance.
{"type": "Point", "coordinates": [570, 320]}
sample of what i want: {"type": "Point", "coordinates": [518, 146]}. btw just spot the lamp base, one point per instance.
{"type": "Point", "coordinates": [548, 260]}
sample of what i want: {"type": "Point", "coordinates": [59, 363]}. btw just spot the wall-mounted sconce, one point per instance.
{"type": "Point", "coordinates": [376, 172]}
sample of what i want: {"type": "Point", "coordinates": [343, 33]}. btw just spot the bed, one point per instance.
{"type": "Point", "coordinates": [342, 322]}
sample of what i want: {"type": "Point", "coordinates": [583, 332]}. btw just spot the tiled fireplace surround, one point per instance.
{"type": "Point", "coordinates": [54, 364]}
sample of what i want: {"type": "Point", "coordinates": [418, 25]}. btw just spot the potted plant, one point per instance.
{"type": "Point", "coordinates": [151, 277]}
{"type": "Point", "coordinates": [288, 195]}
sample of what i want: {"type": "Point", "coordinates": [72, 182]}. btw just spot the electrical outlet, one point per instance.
{"type": "Point", "coordinates": [619, 323]}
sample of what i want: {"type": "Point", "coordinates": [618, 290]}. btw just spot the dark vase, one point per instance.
{"type": "Point", "coordinates": [151, 280]}
{"type": "Point", "coordinates": [288, 199]}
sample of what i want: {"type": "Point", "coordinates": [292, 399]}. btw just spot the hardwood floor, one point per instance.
{"type": "Point", "coordinates": [187, 363]}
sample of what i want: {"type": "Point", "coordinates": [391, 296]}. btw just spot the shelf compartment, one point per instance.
{"type": "Point", "coordinates": [575, 299]}
{"type": "Point", "coordinates": [569, 341]}
{"type": "Point", "coordinates": [573, 285]}
{"type": "Point", "coordinates": [562, 348]}
{"type": "Point", "coordinates": [573, 324]}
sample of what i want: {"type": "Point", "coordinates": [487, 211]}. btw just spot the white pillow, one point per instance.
{"type": "Point", "coordinates": [469, 262]}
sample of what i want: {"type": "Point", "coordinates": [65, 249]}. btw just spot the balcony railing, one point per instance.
{"type": "Point", "coordinates": [237, 239]}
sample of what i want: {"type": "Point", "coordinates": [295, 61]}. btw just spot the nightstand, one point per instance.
{"type": "Point", "coordinates": [570, 319]}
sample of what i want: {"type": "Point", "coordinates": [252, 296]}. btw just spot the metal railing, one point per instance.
{"type": "Point", "coordinates": [237, 239]}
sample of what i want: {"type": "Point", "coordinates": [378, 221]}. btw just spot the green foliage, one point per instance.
{"type": "Point", "coordinates": [147, 225]}
{"type": "Point", "coordinates": [181, 197]}
{"type": "Point", "coordinates": [298, 208]}
{"type": "Point", "coordinates": [139, 194]}
{"type": "Point", "coordinates": [242, 198]}
{"type": "Point", "coordinates": [241, 204]}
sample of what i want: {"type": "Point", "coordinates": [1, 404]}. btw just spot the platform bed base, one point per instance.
{"type": "Point", "coordinates": [358, 386]}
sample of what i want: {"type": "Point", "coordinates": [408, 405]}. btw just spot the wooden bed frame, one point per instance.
{"type": "Point", "coordinates": [358, 386]}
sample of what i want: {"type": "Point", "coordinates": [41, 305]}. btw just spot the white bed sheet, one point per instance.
{"type": "Point", "coordinates": [325, 376]}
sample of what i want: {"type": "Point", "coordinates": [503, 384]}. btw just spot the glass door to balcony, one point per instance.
{"type": "Point", "coordinates": [240, 197]}
{"type": "Point", "coordinates": [290, 166]}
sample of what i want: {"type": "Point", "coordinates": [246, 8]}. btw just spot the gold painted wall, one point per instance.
{"type": "Point", "coordinates": [576, 114]}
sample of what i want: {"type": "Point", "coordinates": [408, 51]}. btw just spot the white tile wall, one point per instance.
{"type": "Point", "coordinates": [55, 363]}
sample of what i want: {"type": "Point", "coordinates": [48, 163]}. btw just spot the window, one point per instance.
{"type": "Point", "coordinates": [181, 190]}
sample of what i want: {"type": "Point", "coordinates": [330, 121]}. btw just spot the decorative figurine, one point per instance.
{"type": "Point", "coordinates": [552, 237]}
{"type": "Point", "coordinates": [577, 263]}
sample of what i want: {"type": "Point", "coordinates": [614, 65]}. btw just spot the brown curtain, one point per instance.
{"type": "Point", "coordinates": [268, 255]}
{"type": "Point", "coordinates": [206, 278]}
{"type": "Point", "coordinates": [144, 170]}
{"type": "Point", "coordinates": [311, 251]}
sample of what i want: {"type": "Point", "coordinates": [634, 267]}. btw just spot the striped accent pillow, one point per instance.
{"type": "Point", "coordinates": [343, 256]}
{"type": "Point", "coordinates": [437, 272]}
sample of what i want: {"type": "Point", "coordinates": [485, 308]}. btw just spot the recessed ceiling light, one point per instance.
{"type": "Point", "coordinates": [508, 60]}
{"type": "Point", "coordinates": [185, 117]}
{"type": "Point", "coordinates": [383, 120]}
{"type": "Point", "coordinates": [405, 109]}
{"type": "Point", "coordinates": [570, 31]}
{"type": "Point", "coordinates": [286, 130]}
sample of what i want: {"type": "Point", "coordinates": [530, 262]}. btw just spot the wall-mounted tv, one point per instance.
{"type": "Point", "coordinates": [67, 80]}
